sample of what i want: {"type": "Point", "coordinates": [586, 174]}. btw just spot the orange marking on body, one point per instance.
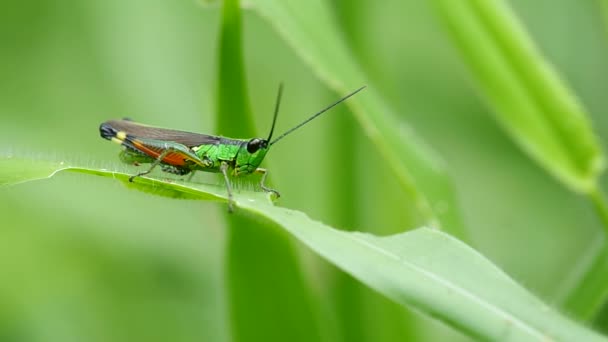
{"type": "Point", "coordinates": [173, 158]}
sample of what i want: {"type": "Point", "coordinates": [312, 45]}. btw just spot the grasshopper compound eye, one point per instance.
{"type": "Point", "coordinates": [254, 145]}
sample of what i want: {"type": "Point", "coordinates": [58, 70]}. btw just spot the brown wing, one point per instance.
{"type": "Point", "coordinates": [148, 132]}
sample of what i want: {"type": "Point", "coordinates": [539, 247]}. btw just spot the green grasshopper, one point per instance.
{"type": "Point", "coordinates": [181, 153]}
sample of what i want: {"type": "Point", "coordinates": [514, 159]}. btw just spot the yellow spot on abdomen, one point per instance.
{"type": "Point", "coordinates": [120, 137]}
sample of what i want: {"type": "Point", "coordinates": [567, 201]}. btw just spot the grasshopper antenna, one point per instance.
{"type": "Point", "coordinates": [276, 111]}
{"type": "Point", "coordinates": [312, 117]}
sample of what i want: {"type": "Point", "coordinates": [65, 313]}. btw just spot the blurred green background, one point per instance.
{"type": "Point", "coordinates": [85, 259]}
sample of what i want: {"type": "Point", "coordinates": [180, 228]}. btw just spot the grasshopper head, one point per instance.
{"type": "Point", "coordinates": [250, 155]}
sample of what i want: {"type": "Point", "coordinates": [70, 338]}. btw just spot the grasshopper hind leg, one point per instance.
{"type": "Point", "coordinates": [154, 164]}
{"type": "Point", "coordinates": [191, 175]}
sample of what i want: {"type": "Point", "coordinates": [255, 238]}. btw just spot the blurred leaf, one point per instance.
{"type": "Point", "coordinates": [424, 268]}
{"type": "Point", "coordinates": [604, 11]}
{"type": "Point", "coordinates": [234, 116]}
{"type": "Point", "coordinates": [589, 293]}
{"type": "Point", "coordinates": [263, 282]}
{"type": "Point", "coordinates": [308, 27]}
{"type": "Point", "coordinates": [527, 95]}
{"type": "Point", "coordinates": [537, 109]}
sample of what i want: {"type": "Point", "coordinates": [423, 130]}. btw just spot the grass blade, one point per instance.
{"type": "Point", "coordinates": [529, 99]}
{"type": "Point", "coordinates": [260, 279]}
{"type": "Point", "coordinates": [537, 109]}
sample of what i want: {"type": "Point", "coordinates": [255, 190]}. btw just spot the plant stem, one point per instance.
{"type": "Point", "coordinates": [601, 207]}
{"type": "Point", "coordinates": [268, 296]}
{"type": "Point", "coordinates": [591, 292]}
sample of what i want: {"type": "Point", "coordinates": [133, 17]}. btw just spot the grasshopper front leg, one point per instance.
{"type": "Point", "coordinates": [264, 173]}
{"type": "Point", "coordinates": [224, 170]}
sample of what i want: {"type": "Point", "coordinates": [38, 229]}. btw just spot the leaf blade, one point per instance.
{"type": "Point", "coordinates": [525, 92]}
{"type": "Point", "coordinates": [425, 268]}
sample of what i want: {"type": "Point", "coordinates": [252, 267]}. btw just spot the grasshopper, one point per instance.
{"type": "Point", "coordinates": [181, 152]}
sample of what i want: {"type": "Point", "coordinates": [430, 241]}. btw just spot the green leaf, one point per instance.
{"type": "Point", "coordinates": [260, 280]}
{"type": "Point", "coordinates": [537, 109]}
{"type": "Point", "coordinates": [234, 116]}
{"type": "Point", "coordinates": [16, 170]}
{"type": "Point", "coordinates": [307, 26]}
{"type": "Point", "coordinates": [424, 269]}
{"type": "Point", "coordinates": [529, 99]}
